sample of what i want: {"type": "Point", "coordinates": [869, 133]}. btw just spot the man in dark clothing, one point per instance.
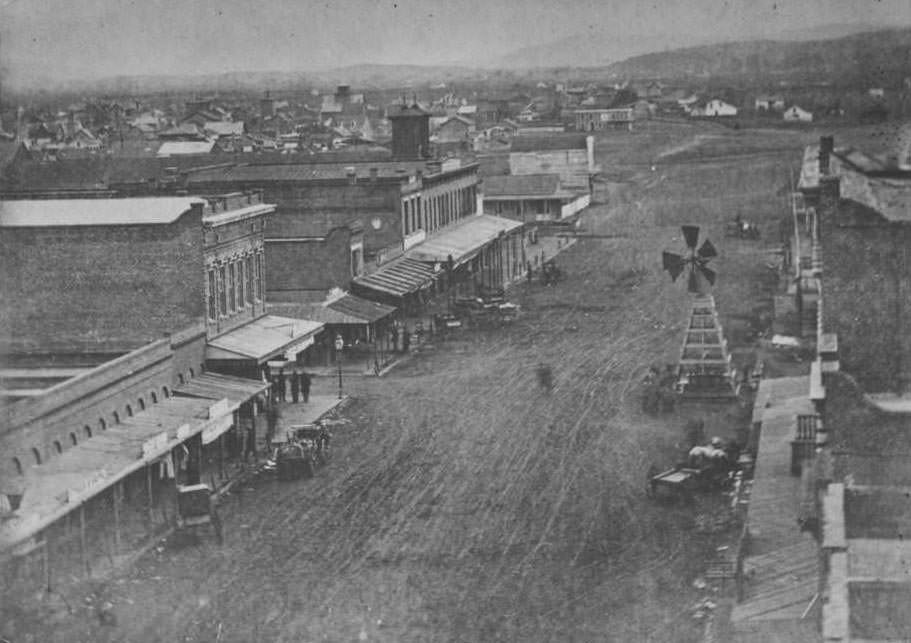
{"type": "Point", "coordinates": [305, 386]}
{"type": "Point", "coordinates": [295, 385]}
{"type": "Point", "coordinates": [281, 386]}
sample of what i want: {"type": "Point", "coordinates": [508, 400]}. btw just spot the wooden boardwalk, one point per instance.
{"type": "Point", "coordinates": [780, 572]}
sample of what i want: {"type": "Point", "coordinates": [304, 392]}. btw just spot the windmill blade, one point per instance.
{"type": "Point", "coordinates": [674, 264]}
{"type": "Point", "coordinates": [691, 234]}
{"type": "Point", "coordinates": [708, 273]}
{"type": "Point", "coordinates": [693, 285]}
{"type": "Point", "coordinates": [707, 250]}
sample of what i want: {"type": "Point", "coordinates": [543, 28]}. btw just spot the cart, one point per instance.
{"type": "Point", "coordinates": [195, 509]}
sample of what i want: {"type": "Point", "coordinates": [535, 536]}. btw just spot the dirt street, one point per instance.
{"type": "Point", "coordinates": [467, 503]}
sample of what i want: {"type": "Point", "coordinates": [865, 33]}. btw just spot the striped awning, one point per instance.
{"type": "Point", "coordinates": [399, 278]}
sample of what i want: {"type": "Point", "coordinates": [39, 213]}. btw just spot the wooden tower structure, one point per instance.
{"type": "Point", "coordinates": [705, 370]}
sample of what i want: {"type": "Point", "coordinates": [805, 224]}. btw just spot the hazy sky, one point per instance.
{"type": "Point", "coordinates": [95, 38]}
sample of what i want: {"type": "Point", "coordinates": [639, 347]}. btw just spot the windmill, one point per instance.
{"type": "Point", "coordinates": [696, 260]}
{"type": "Point", "coordinates": [705, 370]}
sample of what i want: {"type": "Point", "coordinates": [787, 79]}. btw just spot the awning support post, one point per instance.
{"type": "Point", "coordinates": [149, 490]}
{"type": "Point", "coordinates": [116, 506]}
{"type": "Point", "coordinates": [82, 550]}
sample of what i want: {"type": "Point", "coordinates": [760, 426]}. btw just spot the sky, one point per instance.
{"type": "Point", "coordinates": [60, 39]}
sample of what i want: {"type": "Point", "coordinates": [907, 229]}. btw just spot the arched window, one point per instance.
{"type": "Point", "coordinates": [37, 455]}
{"type": "Point", "coordinates": [102, 424]}
{"type": "Point", "coordinates": [142, 404]}
{"type": "Point", "coordinates": [87, 430]}
{"type": "Point", "coordinates": [116, 418]}
{"type": "Point", "coordinates": [180, 378]}
{"type": "Point", "coordinates": [58, 447]}
{"type": "Point", "coordinates": [202, 369]}
{"type": "Point", "coordinates": [192, 374]}
{"type": "Point", "coordinates": [167, 393]}
{"type": "Point", "coordinates": [153, 397]}
{"type": "Point", "coordinates": [74, 439]}
{"type": "Point", "coordinates": [129, 411]}
{"type": "Point", "coordinates": [18, 464]}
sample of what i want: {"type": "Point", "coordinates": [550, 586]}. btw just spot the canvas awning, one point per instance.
{"type": "Point", "coordinates": [463, 240]}
{"type": "Point", "coordinates": [53, 489]}
{"type": "Point", "coordinates": [360, 308]}
{"type": "Point", "coordinates": [264, 338]}
{"type": "Point", "coordinates": [399, 277]}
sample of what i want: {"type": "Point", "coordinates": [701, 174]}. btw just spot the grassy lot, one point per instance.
{"type": "Point", "coordinates": [465, 502]}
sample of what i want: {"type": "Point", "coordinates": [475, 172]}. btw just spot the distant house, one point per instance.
{"type": "Point", "coordinates": [876, 92]}
{"type": "Point", "coordinates": [688, 102]}
{"type": "Point", "coordinates": [713, 109]}
{"type": "Point", "coordinates": [795, 114]}
{"type": "Point", "coordinates": [571, 156]}
{"type": "Point", "coordinates": [588, 120]}
{"type": "Point", "coordinates": [219, 129]}
{"type": "Point", "coordinates": [768, 103]}
{"type": "Point", "coordinates": [454, 128]}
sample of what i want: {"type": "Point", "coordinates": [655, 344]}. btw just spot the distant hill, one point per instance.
{"type": "Point", "coordinates": [601, 47]}
{"type": "Point", "coordinates": [880, 57]}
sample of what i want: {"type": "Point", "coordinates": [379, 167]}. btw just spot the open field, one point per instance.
{"type": "Point", "coordinates": [466, 503]}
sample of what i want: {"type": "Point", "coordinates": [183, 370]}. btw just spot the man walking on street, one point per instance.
{"type": "Point", "coordinates": [281, 385]}
{"type": "Point", "coordinates": [305, 386]}
{"type": "Point", "coordinates": [295, 385]}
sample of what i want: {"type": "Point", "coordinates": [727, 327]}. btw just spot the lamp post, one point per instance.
{"type": "Point", "coordinates": [339, 345]}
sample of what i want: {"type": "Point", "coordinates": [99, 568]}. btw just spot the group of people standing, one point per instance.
{"type": "Point", "coordinates": [299, 381]}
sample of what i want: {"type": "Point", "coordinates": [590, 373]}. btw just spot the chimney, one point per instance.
{"type": "Point", "coordinates": [826, 147]}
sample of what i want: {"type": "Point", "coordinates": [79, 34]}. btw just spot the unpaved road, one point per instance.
{"type": "Point", "coordinates": [464, 502]}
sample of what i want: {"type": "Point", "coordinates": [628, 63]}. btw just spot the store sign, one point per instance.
{"type": "Point", "coordinates": [294, 349]}
{"type": "Point", "coordinates": [220, 408]}
{"type": "Point", "coordinates": [87, 487]}
{"type": "Point", "coordinates": [216, 427]}
{"type": "Point", "coordinates": [153, 447]}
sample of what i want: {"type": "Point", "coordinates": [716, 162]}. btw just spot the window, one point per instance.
{"type": "Point", "coordinates": [87, 430]}
{"type": "Point", "coordinates": [167, 393]}
{"type": "Point", "coordinates": [102, 424]}
{"type": "Point", "coordinates": [37, 455]}
{"type": "Point", "coordinates": [129, 411]}
{"type": "Point", "coordinates": [192, 373]}
{"type": "Point", "coordinates": [116, 418]}
{"type": "Point", "coordinates": [58, 447]}
{"type": "Point", "coordinates": [241, 282]}
{"type": "Point", "coordinates": [232, 289]}
{"type": "Point", "coordinates": [153, 397]}
{"type": "Point", "coordinates": [211, 297]}
{"type": "Point", "coordinates": [407, 210]}
{"type": "Point", "coordinates": [249, 262]}
{"type": "Point", "coordinates": [17, 464]}
{"type": "Point", "coordinates": [142, 404]}
{"type": "Point", "coordinates": [74, 439]}
{"type": "Point", "coordinates": [222, 295]}
{"type": "Point", "coordinates": [261, 287]}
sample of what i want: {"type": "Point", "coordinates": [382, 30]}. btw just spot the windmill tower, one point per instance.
{"type": "Point", "coordinates": [705, 370]}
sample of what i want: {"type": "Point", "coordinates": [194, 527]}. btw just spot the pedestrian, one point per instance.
{"type": "Point", "coordinates": [295, 385]}
{"type": "Point", "coordinates": [305, 386]}
{"type": "Point", "coordinates": [281, 385]}
{"type": "Point", "coordinates": [274, 388]}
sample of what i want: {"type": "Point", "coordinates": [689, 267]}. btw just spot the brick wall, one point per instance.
{"type": "Point", "coordinates": [295, 269]}
{"type": "Point", "coordinates": [95, 401]}
{"type": "Point", "coordinates": [99, 288]}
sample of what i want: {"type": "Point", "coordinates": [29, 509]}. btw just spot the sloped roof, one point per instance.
{"type": "Point", "coordinates": [549, 142]}
{"type": "Point", "coordinates": [176, 148]}
{"type": "Point", "coordinates": [225, 128]}
{"type": "Point", "coordinates": [522, 185]}
{"type": "Point", "coordinates": [92, 212]}
{"type": "Point", "coordinates": [364, 309]}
